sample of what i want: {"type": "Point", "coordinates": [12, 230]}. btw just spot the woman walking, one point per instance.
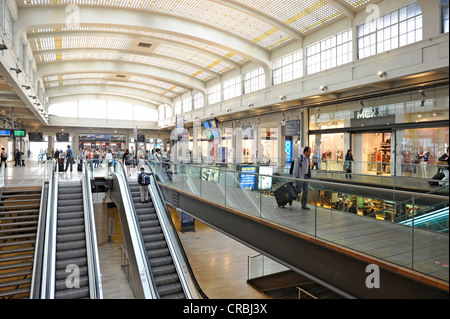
{"type": "Point", "coordinates": [348, 164]}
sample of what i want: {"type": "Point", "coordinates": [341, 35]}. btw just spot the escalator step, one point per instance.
{"type": "Point", "coordinates": [174, 296]}
{"type": "Point", "coordinates": [64, 209]}
{"type": "Point", "coordinates": [61, 274]}
{"type": "Point", "coordinates": [69, 245]}
{"type": "Point", "coordinates": [71, 254]}
{"type": "Point", "coordinates": [16, 265]}
{"type": "Point", "coordinates": [151, 230]}
{"type": "Point", "coordinates": [149, 223]}
{"type": "Point", "coordinates": [70, 202]}
{"type": "Point", "coordinates": [22, 273]}
{"type": "Point", "coordinates": [62, 285]}
{"type": "Point", "coordinates": [70, 237]}
{"type": "Point", "coordinates": [70, 230]}
{"type": "Point", "coordinates": [70, 215]}
{"type": "Point", "coordinates": [155, 244]}
{"type": "Point", "coordinates": [161, 261]}
{"type": "Point", "coordinates": [166, 290]}
{"type": "Point", "coordinates": [16, 257]}
{"type": "Point", "coordinates": [70, 196]}
{"type": "Point", "coordinates": [166, 279]}
{"type": "Point", "coordinates": [76, 293]}
{"type": "Point", "coordinates": [155, 253]}
{"type": "Point", "coordinates": [70, 222]}
{"type": "Point", "coordinates": [153, 237]}
{"type": "Point", "coordinates": [62, 264]}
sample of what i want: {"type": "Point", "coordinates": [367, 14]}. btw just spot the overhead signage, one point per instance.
{"type": "Point", "coordinates": [292, 128]}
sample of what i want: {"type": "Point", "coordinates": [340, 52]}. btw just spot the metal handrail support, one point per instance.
{"type": "Point", "coordinates": [49, 260]}
{"type": "Point", "coordinates": [300, 290]}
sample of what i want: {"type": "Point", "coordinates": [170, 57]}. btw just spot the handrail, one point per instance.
{"type": "Point", "coordinates": [49, 260]}
{"type": "Point", "coordinates": [143, 265]}
{"type": "Point", "coordinates": [313, 181]}
{"type": "Point", "coordinates": [173, 240]}
{"type": "Point", "coordinates": [95, 277]}
{"type": "Point", "coordinates": [40, 236]}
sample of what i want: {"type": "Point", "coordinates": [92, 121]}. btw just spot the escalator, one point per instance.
{"type": "Point", "coordinates": [19, 215]}
{"type": "Point", "coordinates": [163, 269]}
{"type": "Point", "coordinates": [159, 266]}
{"type": "Point", "coordinates": [71, 248]}
{"type": "Point", "coordinates": [70, 267]}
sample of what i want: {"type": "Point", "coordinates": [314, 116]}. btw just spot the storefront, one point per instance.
{"type": "Point", "coordinates": [384, 133]}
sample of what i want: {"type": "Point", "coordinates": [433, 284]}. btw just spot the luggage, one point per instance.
{"type": "Point", "coordinates": [80, 166]}
{"type": "Point", "coordinates": [61, 164]}
{"type": "Point", "coordinates": [438, 176]}
{"type": "Point", "coordinates": [285, 194]}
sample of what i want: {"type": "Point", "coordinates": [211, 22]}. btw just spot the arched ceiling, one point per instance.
{"type": "Point", "coordinates": [159, 49]}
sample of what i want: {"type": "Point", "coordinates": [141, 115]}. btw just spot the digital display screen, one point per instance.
{"type": "Point", "coordinates": [247, 181]}
{"type": "Point", "coordinates": [19, 133]}
{"type": "Point", "coordinates": [63, 137]}
{"type": "Point", "coordinates": [206, 124]}
{"type": "Point", "coordinates": [5, 133]}
{"type": "Point", "coordinates": [35, 137]}
{"type": "Point", "coordinates": [216, 133]}
{"type": "Point", "coordinates": [213, 123]}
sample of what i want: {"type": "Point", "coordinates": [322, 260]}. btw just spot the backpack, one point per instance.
{"type": "Point", "coordinates": [145, 179]}
{"type": "Point", "coordinates": [129, 160]}
{"type": "Point", "coordinates": [291, 170]}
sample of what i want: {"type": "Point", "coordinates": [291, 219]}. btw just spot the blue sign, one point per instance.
{"type": "Point", "coordinates": [288, 150]}
{"type": "Point", "coordinates": [5, 133]}
{"type": "Point", "coordinates": [247, 181]}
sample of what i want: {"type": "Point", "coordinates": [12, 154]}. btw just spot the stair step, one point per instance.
{"type": "Point", "coordinates": [22, 273]}
{"type": "Point", "coordinates": [15, 282]}
{"type": "Point", "coordinates": [14, 292]}
{"type": "Point", "coordinates": [16, 265]}
{"type": "Point", "coordinates": [16, 230]}
{"type": "Point", "coordinates": [17, 257]}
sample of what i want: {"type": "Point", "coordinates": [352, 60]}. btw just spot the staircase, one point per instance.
{"type": "Point", "coordinates": [160, 259]}
{"type": "Point", "coordinates": [19, 213]}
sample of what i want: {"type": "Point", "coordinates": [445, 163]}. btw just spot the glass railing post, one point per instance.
{"type": "Point", "coordinates": [315, 213]}
{"type": "Point", "coordinates": [412, 233]}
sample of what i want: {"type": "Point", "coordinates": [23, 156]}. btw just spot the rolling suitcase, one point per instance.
{"type": "Point", "coordinates": [80, 166]}
{"type": "Point", "coordinates": [438, 176]}
{"type": "Point", "coordinates": [61, 164]}
{"type": "Point", "coordinates": [285, 194]}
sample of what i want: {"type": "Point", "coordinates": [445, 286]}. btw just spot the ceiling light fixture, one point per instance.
{"type": "Point", "coordinates": [3, 47]}
{"type": "Point", "coordinates": [381, 73]}
{"type": "Point", "coordinates": [26, 87]}
{"type": "Point", "coordinates": [323, 88]}
{"type": "Point", "coordinates": [282, 97]}
{"type": "Point", "coordinates": [17, 70]}
{"type": "Point", "coordinates": [250, 104]}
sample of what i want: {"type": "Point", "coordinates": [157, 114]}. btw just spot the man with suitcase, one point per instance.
{"type": "Point", "coordinates": [302, 170]}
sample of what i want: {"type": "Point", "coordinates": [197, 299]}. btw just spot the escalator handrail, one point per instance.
{"type": "Point", "coordinates": [145, 271]}
{"type": "Point", "coordinates": [174, 239]}
{"type": "Point", "coordinates": [36, 278]}
{"type": "Point", "coordinates": [95, 277]}
{"type": "Point", "coordinates": [49, 260]}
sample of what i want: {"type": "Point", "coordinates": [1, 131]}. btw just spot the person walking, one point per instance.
{"type": "Point", "coordinates": [348, 164]}
{"type": "Point", "coordinates": [69, 158]}
{"type": "Point", "coordinates": [445, 158]}
{"type": "Point", "coordinates": [4, 156]}
{"type": "Point", "coordinates": [302, 170]}
{"type": "Point", "coordinates": [127, 160]}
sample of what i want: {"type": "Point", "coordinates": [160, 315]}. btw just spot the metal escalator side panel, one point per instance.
{"type": "Point", "coordinates": [95, 277]}
{"type": "Point", "coordinates": [143, 281]}
{"type": "Point", "coordinates": [48, 263]}
{"type": "Point", "coordinates": [39, 250]}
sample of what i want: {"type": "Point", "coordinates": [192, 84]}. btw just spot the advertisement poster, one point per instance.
{"type": "Point", "coordinates": [265, 182]}
{"type": "Point", "coordinates": [247, 181]}
{"type": "Point", "coordinates": [288, 150]}
{"type": "Point", "coordinates": [210, 174]}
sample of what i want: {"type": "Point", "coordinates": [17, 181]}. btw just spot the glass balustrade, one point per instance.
{"type": "Point", "coordinates": [403, 227]}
